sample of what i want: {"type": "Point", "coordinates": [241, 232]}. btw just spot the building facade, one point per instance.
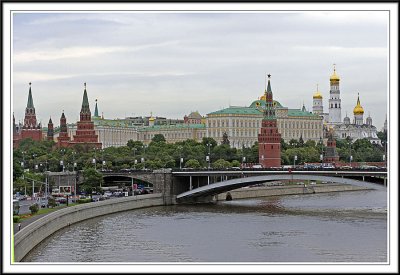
{"type": "Point", "coordinates": [359, 128]}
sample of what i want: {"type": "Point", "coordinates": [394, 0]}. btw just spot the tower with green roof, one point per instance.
{"type": "Point", "coordinates": [269, 138]}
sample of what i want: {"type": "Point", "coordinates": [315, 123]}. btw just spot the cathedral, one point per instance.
{"type": "Point", "coordinates": [358, 129]}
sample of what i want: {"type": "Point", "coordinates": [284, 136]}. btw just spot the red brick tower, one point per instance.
{"type": "Point", "coordinates": [269, 140]}
{"type": "Point", "coordinates": [16, 134]}
{"type": "Point", "coordinates": [63, 138]}
{"type": "Point", "coordinates": [85, 132]}
{"type": "Point", "coordinates": [331, 154]}
{"type": "Point", "coordinates": [31, 129]}
{"type": "Point", "coordinates": [50, 130]}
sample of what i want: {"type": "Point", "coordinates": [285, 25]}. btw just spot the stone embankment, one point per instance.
{"type": "Point", "coordinates": [30, 236]}
{"type": "Point", "coordinates": [255, 192]}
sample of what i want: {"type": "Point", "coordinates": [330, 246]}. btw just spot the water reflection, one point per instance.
{"type": "Point", "coordinates": [334, 227]}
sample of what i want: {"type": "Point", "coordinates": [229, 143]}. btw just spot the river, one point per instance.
{"type": "Point", "coordinates": [327, 227]}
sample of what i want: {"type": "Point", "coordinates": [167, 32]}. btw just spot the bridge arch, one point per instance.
{"type": "Point", "coordinates": [224, 186]}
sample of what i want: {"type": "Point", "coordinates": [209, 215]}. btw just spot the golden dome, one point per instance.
{"type": "Point", "coordinates": [263, 97]}
{"type": "Point", "coordinates": [334, 77]}
{"type": "Point", "coordinates": [317, 94]}
{"type": "Point", "coordinates": [358, 110]}
{"type": "Point", "coordinates": [151, 118]}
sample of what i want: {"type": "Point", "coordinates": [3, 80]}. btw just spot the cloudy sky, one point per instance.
{"type": "Point", "coordinates": [174, 63]}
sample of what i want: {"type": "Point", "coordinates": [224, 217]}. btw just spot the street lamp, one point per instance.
{"type": "Point", "coordinates": [294, 162]}
{"type": "Point", "coordinates": [144, 156]}
{"type": "Point", "coordinates": [94, 160]}
{"type": "Point", "coordinates": [134, 157]}
{"type": "Point", "coordinates": [243, 161]}
{"type": "Point", "coordinates": [209, 154]}
{"type": "Point", "coordinates": [62, 161]}
{"type": "Point", "coordinates": [73, 170]}
{"type": "Point", "coordinates": [102, 160]}
{"type": "Point", "coordinates": [180, 157]}
{"type": "Point", "coordinates": [34, 156]}
{"type": "Point", "coordinates": [351, 158]}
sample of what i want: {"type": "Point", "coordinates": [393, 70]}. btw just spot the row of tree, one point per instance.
{"type": "Point", "coordinates": [45, 156]}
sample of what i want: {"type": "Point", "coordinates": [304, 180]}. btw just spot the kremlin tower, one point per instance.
{"type": "Point", "coordinates": [63, 138]}
{"type": "Point", "coordinates": [85, 132]}
{"type": "Point", "coordinates": [31, 129]}
{"type": "Point", "coordinates": [335, 109]}
{"type": "Point", "coordinates": [269, 140]}
{"type": "Point", "coordinates": [50, 130]}
{"type": "Point", "coordinates": [331, 154]}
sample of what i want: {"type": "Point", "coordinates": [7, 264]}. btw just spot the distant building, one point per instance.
{"type": "Point", "coordinates": [331, 154]}
{"type": "Point", "coordinates": [358, 129]}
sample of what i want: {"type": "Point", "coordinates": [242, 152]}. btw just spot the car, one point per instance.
{"type": "Point", "coordinates": [345, 167]}
{"type": "Point", "coordinates": [61, 200]}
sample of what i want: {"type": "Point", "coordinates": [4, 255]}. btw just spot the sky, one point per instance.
{"type": "Point", "coordinates": [171, 64]}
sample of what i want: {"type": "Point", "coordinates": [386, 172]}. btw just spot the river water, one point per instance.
{"type": "Point", "coordinates": [326, 227]}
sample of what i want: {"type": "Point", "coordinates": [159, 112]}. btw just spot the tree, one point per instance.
{"type": "Point", "coordinates": [235, 163]}
{"type": "Point", "coordinates": [221, 163]}
{"type": "Point", "coordinates": [92, 180]}
{"type": "Point", "coordinates": [158, 138]}
{"type": "Point", "coordinates": [210, 140]}
{"type": "Point", "coordinates": [192, 163]}
{"type": "Point", "coordinates": [225, 139]}
{"type": "Point", "coordinates": [301, 141]}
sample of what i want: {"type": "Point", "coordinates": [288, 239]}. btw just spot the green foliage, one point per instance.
{"type": "Point", "coordinates": [92, 180]}
{"type": "Point", "coordinates": [158, 138]}
{"type": "Point", "coordinates": [52, 202]}
{"type": "Point", "coordinates": [16, 219]}
{"type": "Point", "coordinates": [34, 208]}
{"type": "Point", "coordinates": [84, 200]}
{"type": "Point", "coordinates": [192, 163]}
{"type": "Point", "coordinates": [221, 163]}
{"type": "Point", "coordinates": [209, 140]}
{"type": "Point", "coordinates": [235, 163]}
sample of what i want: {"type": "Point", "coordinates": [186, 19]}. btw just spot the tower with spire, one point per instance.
{"type": "Point", "coordinates": [31, 129]}
{"type": "Point", "coordinates": [50, 130]}
{"type": "Point", "coordinates": [85, 132]}
{"type": "Point", "coordinates": [331, 155]}
{"type": "Point", "coordinates": [318, 108]}
{"type": "Point", "coordinates": [96, 111]}
{"type": "Point", "coordinates": [63, 138]}
{"type": "Point", "coordinates": [335, 108]}
{"type": "Point", "coordinates": [269, 139]}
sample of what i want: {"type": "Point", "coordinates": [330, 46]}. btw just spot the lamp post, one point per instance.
{"type": "Point", "coordinates": [102, 160]}
{"type": "Point", "coordinates": [243, 161]}
{"type": "Point", "coordinates": [351, 158]}
{"type": "Point", "coordinates": [134, 158]}
{"type": "Point", "coordinates": [294, 162]}
{"type": "Point", "coordinates": [144, 156]}
{"type": "Point", "coordinates": [94, 160]}
{"type": "Point", "coordinates": [34, 165]}
{"type": "Point", "coordinates": [62, 161]}
{"type": "Point", "coordinates": [180, 157]}
{"type": "Point", "coordinates": [73, 170]}
{"type": "Point", "coordinates": [209, 154]}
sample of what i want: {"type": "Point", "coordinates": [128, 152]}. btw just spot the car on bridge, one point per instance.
{"type": "Point", "coordinates": [346, 167]}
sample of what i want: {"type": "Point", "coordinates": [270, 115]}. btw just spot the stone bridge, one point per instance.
{"type": "Point", "coordinates": [183, 185]}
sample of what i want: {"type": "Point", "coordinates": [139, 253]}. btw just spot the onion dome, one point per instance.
{"type": "Point", "coordinates": [317, 94]}
{"type": "Point", "coordinates": [151, 118]}
{"type": "Point", "coordinates": [334, 77]}
{"type": "Point", "coordinates": [358, 110]}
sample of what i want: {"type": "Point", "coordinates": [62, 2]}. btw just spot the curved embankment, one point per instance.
{"type": "Point", "coordinates": [254, 192]}
{"type": "Point", "coordinates": [30, 236]}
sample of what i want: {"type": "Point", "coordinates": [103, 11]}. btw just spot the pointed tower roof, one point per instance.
{"type": "Point", "coordinates": [334, 76]}
{"type": "Point", "coordinates": [304, 108]}
{"type": "Point", "coordinates": [269, 90]}
{"type": "Point", "coordinates": [62, 115]}
{"type": "Point", "coordinates": [50, 121]}
{"type": "Point", "coordinates": [85, 102]}
{"type": "Point", "coordinates": [30, 99]}
{"type": "Point", "coordinates": [358, 110]}
{"type": "Point", "coordinates": [317, 94]}
{"type": "Point", "coordinates": [96, 111]}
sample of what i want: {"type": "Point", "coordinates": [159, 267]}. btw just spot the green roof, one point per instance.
{"type": "Point", "coordinates": [238, 111]}
{"type": "Point", "coordinates": [298, 112]}
{"type": "Point", "coordinates": [173, 127]}
{"type": "Point", "coordinates": [261, 103]}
